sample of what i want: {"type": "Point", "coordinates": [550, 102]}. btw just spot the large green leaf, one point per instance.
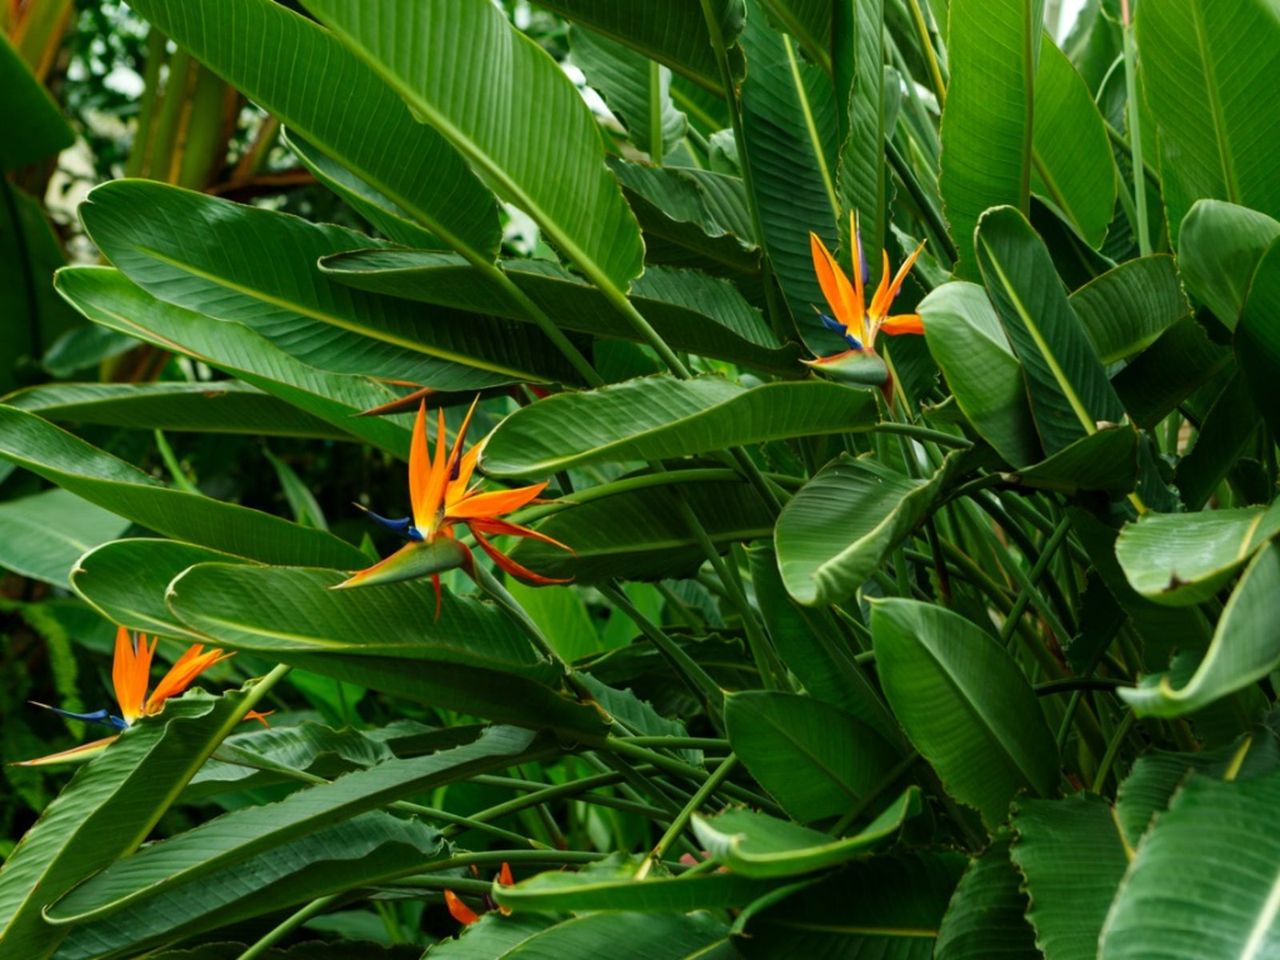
{"type": "Point", "coordinates": [691, 311]}
{"type": "Point", "coordinates": [1126, 309]}
{"type": "Point", "coordinates": [816, 760]}
{"type": "Point", "coordinates": [640, 534]}
{"type": "Point", "coordinates": [888, 908]}
{"type": "Point", "coordinates": [856, 33]}
{"type": "Point", "coordinates": [755, 844]}
{"type": "Point", "coordinates": [106, 811]}
{"type": "Point", "coordinates": [109, 298]}
{"type": "Point", "coordinates": [969, 345]}
{"type": "Point", "coordinates": [1257, 342]}
{"type": "Point", "coordinates": [986, 916]}
{"type": "Point", "coordinates": [363, 851]}
{"type": "Point", "coordinates": [624, 936]}
{"type": "Point", "coordinates": [613, 886]}
{"type": "Point", "coordinates": [670, 31]}
{"type": "Point", "coordinates": [1069, 389]}
{"type": "Point", "coordinates": [1205, 880]}
{"type": "Point", "coordinates": [305, 82]}
{"type": "Point", "coordinates": [1204, 67]}
{"type": "Point", "coordinates": [100, 478]}
{"type": "Point", "coordinates": [1245, 647]}
{"type": "Point", "coordinates": [640, 97]}
{"type": "Point", "coordinates": [1182, 360]}
{"type": "Point", "coordinates": [29, 113]}
{"type": "Point", "coordinates": [789, 126]}
{"type": "Point", "coordinates": [1105, 460]}
{"type": "Point", "coordinates": [236, 836]}
{"type": "Point", "coordinates": [222, 406]}
{"type": "Point", "coordinates": [1073, 856]}
{"type": "Point", "coordinates": [125, 581]}
{"type": "Point", "coordinates": [809, 21]}
{"type": "Point", "coordinates": [472, 657]}
{"type": "Point", "coordinates": [984, 732]}
{"type": "Point", "coordinates": [1183, 559]}
{"type": "Point", "coordinates": [834, 533]}
{"type": "Point", "coordinates": [1073, 166]}
{"type": "Point", "coordinates": [658, 418]}
{"type": "Point", "coordinates": [1218, 252]}
{"type": "Point", "coordinates": [986, 127]}
{"type": "Point", "coordinates": [501, 120]}
{"type": "Point", "coordinates": [43, 535]}
{"type": "Point", "coordinates": [258, 267]}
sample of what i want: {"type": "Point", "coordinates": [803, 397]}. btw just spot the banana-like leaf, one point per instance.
{"type": "Point", "coordinates": [691, 311]}
{"type": "Point", "coordinates": [125, 581]}
{"type": "Point", "coordinates": [472, 658]}
{"type": "Point", "coordinates": [1073, 857]}
{"type": "Point", "coordinates": [834, 533]}
{"type": "Point", "coordinates": [984, 732]}
{"type": "Point", "coordinates": [1204, 66]}
{"type": "Point", "coordinates": [28, 108]}
{"type": "Point", "coordinates": [816, 760]}
{"type": "Point", "coordinates": [1244, 647]}
{"type": "Point", "coordinates": [109, 298]}
{"type": "Point", "coordinates": [305, 82]}
{"type": "Point", "coordinates": [44, 534]}
{"type": "Point", "coordinates": [889, 907]}
{"type": "Point", "coordinates": [1072, 163]}
{"type": "Point", "coordinates": [362, 852]}
{"type": "Point", "coordinates": [379, 209]}
{"type": "Point", "coordinates": [693, 217]}
{"type": "Point", "coordinates": [640, 535]}
{"type": "Point", "coordinates": [789, 126]}
{"type": "Point", "coordinates": [630, 934]}
{"type": "Point", "coordinates": [258, 267]}
{"type": "Point", "coordinates": [106, 811]}
{"type": "Point", "coordinates": [862, 174]}
{"type": "Point", "coordinates": [1106, 460]}
{"type": "Point", "coordinates": [1183, 559]}
{"type": "Point", "coordinates": [638, 96]}
{"type": "Point", "coordinates": [100, 478]}
{"type": "Point", "coordinates": [1218, 253]}
{"type": "Point", "coordinates": [985, 920]}
{"type": "Point", "coordinates": [672, 32]}
{"type": "Point", "coordinates": [1182, 360]}
{"type": "Point", "coordinates": [809, 21]}
{"type": "Point", "coordinates": [500, 119]}
{"type": "Point", "coordinates": [993, 50]}
{"type": "Point", "coordinates": [755, 844]}
{"type": "Point", "coordinates": [1126, 309]}
{"type": "Point", "coordinates": [968, 343]}
{"type": "Point", "coordinates": [1257, 343]}
{"type": "Point", "coordinates": [613, 886]}
{"type": "Point", "coordinates": [1069, 389]}
{"type": "Point", "coordinates": [241, 834]}
{"type": "Point", "coordinates": [1211, 858]}
{"type": "Point", "coordinates": [657, 418]}
{"type": "Point", "coordinates": [223, 406]}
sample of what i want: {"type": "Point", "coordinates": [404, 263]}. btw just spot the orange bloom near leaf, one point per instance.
{"type": "Point", "coordinates": [443, 497]}
{"type": "Point", "coordinates": [852, 318]}
{"type": "Point", "coordinates": [464, 914]}
{"type": "Point", "coordinates": [130, 677]}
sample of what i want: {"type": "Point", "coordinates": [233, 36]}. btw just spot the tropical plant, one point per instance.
{"type": "Point", "coordinates": [782, 638]}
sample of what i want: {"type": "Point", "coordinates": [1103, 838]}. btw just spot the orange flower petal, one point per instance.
{"type": "Point", "coordinates": [505, 879]}
{"type": "Point", "coordinates": [184, 671]}
{"type": "Point", "coordinates": [880, 309]}
{"type": "Point", "coordinates": [419, 466]}
{"type": "Point", "coordinates": [459, 910]}
{"type": "Point", "coordinates": [131, 672]}
{"type": "Point", "coordinates": [494, 504]}
{"type": "Point", "coordinates": [835, 286]}
{"type": "Point", "coordinates": [437, 483]}
{"type": "Point", "coordinates": [903, 323]}
{"type": "Point", "coordinates": [510, 566]}
{"type": "Point", "coordinates": [504, 528]}
{"type": "Point", "coordinates": [260, 717]}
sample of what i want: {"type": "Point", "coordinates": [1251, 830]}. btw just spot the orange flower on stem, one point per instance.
{"type": "Point", "coordinates": [464, 914]}
{"type": "Point", "coordinates": [852, 318]}
{"type": "Point", "coordinates": [130, 677]}
{"type": "Point", "coordinates": [444, 498]}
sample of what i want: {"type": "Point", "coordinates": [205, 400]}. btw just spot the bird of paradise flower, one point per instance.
{"type": "Point", "coordinates": [443, 498]}
{"type": "Point", "coordinates": [130, 677]}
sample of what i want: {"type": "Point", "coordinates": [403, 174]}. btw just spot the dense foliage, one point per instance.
{"type": "Point", "coordinates": [824, 454]}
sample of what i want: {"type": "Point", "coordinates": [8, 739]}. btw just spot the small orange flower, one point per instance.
{"type": "Point", "coordinates": [852, 318]}
{"type": "Point", "coordinates": [130, 676]}
{"type": "Point", "coordinates": [443, 497]}
{"type": "Point", "coordinates": [464, 914]}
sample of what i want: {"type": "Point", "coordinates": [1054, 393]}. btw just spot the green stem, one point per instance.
{"type": "Point", "coordinates": [1135, 131]}
{"type": "Point", "coordinates": [655, 113]}
{"type": "Point", "coordinates": [916, 432]}
{"type": "Point", "coordinates": [1113, 750]}
{"type": "Point", "coordinates": [682, 818]}
{"type": "Point", "coordinates": [671, 765]}
{"type": "Point", "coordinates": [1028, 587]}
{"type": "Point", "coordinates": [926, 46]}
{"type": "Point", "coordinates": [1079, 683]}
{"type": "Point", "coordinates": [928, 209]}
{"type": "Point", "coordinates": [289, 924]}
